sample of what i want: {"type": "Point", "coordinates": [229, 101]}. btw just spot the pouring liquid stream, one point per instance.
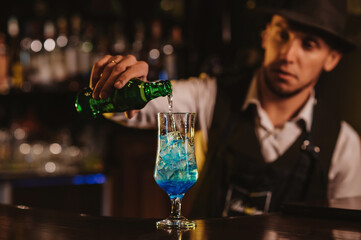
{"type": "Point", "coordinates": [170, 110]}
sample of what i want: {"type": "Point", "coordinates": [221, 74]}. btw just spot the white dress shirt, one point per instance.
{"type": "Point", "coordinates": [199, 95]}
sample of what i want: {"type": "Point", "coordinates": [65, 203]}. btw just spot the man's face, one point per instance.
{"type": "Point", "coordinates": [294, 59]}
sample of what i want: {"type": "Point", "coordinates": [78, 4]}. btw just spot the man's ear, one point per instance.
{"type": "Point", "coordinates": [265, 34]}
{"type": "Point", "coordinates": [332, 60]}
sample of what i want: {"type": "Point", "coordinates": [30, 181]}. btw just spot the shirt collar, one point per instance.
{"type": "Point", "coordinates": [305, 114]}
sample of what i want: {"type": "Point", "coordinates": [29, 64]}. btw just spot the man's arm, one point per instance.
{"type": "Point", "coordinates": [192, 95]}
{"type": "Point", "coordinates": [197, 95]}
{"type": "Point", "coordinates": [345, 170]}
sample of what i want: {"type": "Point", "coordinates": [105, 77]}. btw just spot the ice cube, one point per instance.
{"type": "Point", "coordinates": [176, 156]}
{"type": "Point", "coordinates": [165, 174]}
{"type": "Point", "coordinates": [177, 175]}
{"type": "Point", "coordinates": [160, 164]}
{"type": "Point", "coordinates": [177, 135]}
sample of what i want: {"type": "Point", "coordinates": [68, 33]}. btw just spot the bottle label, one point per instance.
{"type": "Point", "coordinates": [142, 92]}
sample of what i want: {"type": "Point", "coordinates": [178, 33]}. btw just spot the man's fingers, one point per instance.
{"type": "Point", "coordinates": [97, 69]}
{"type": "Point", "coordinates": [118, 69]}
{"type": "Point", "coordinates": [138, 70]}
{"type": "Point", "coordinates": [108, 68]}
{"type": "Point", "coordinates": [111, 72]}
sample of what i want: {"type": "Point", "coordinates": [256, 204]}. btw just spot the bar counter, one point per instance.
{"type": "Point", "coordinates": [21, 222]}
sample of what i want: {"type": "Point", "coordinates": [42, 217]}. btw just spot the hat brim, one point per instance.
{"type": "Point", "coordinates": [346, 44]}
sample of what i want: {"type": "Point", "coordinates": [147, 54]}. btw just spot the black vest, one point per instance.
{"type": "Point", "coordinates": [234, 159]}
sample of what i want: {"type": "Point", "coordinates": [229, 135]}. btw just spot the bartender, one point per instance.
{"type": "Point", "coordinates": [266, 138]}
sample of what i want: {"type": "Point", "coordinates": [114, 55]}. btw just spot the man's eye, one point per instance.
{"type": "Point", "coordinates": [309, 44]}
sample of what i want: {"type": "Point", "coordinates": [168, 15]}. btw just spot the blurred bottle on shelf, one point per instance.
{"type": "Point", "coordinates": [72, 50]}
{"type": "Point", "coordinates": [44, 65]}
{"type": "Point", "coordinates": [62, 42]}
{"type": "Point", "coordinates": [16, 68]}
{"type": "Point", "coordinates": [32, 45]}
{"type": "Point", "coordinates": [25, 56]}
{"type": "Point", "coordinates": [5, 147]}
{"type": "Point", "coordinates": [86, 46]}
{"type": "Point", "coordinates": [170, 51]}
{"type": "Point", "coordinates": [120, 43]}
{"type": "Point", "coordinates": [178, 63]}
{"type": "Point", "coordinates": [138, 43]}
{"type": "Point", "coordinates": [4, 76]}
{"type": "Point", "coordinates": [153, 48]}
{"type": "Point", "coordinates": [54, 44]}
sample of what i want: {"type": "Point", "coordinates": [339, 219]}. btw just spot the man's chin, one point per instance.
{"type": "Point", "coordinates": [280, 91]}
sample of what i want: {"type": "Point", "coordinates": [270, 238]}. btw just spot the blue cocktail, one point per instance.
{"type": "Point", "coordinates": [176, 169]}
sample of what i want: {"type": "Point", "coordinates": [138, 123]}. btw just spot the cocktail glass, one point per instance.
{"type": "Point", "coordinates": [176, 168]}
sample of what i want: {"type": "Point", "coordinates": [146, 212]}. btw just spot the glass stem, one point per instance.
{"type": "Point", "coordinates": [175, 211]}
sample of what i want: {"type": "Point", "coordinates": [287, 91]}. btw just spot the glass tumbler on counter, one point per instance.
{"type": "Point", "coordinates": [176, 168]}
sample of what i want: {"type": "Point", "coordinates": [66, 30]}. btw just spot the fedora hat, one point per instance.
{"type": "Point", "coordinates": [327, 16]}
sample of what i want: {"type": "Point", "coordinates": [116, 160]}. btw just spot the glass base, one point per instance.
{"type": "Point", "coordinates": [176, 223]}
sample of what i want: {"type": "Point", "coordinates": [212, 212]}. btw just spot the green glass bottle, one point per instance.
{"type": "Point", "coordinates": [134, 95]}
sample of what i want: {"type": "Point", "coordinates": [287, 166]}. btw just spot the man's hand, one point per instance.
{"type": "Point", "coordinates": [114, 72]}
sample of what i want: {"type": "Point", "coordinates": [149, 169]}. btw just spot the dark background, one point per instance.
{"type": "Point", "coordinates": [219, 36]}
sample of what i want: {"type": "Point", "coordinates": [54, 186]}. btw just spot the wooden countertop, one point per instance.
{"type": "Point", "coordinates": [20, 222]}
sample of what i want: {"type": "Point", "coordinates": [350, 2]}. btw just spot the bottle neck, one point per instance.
{"type": "Point", "coordinates": [157, 89]}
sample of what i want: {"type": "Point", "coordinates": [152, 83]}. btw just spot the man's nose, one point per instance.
{"type": "Point", "coordinates": [290, 50]}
